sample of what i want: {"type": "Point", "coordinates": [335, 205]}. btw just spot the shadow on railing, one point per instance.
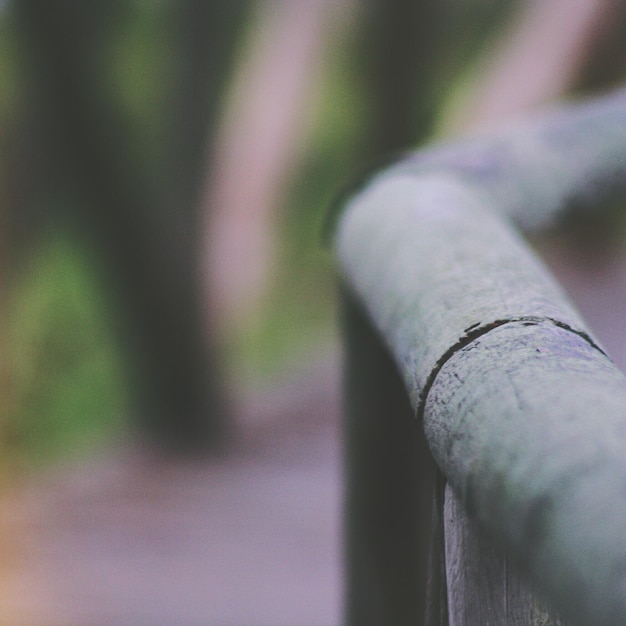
{"type": "Point", "coordinates": [521, 416]}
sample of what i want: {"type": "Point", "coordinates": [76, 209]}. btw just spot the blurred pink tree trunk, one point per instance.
{"type": "Point", "coordinates": [258, 148]}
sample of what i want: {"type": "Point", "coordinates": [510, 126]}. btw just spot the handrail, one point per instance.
{"type": "Point", "coordinates": [522, 410]}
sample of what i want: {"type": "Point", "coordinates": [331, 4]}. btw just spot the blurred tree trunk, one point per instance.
{"type": "Point", "coordinates": [538, 56]}
{"type": "Point", "coordinates": [399, 45]}
{"type": "Point", "coordinates": [262, 140]}
{"type": "Point", "coordinates": [77, 154]}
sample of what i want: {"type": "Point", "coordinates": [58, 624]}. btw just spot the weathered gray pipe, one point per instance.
{"type": "Point", "coordinates": [523, 411]}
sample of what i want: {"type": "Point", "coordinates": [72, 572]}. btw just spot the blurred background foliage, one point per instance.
{"type": "Point", "coordinates": [379, 77]}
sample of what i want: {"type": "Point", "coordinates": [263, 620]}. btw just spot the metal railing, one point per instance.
{"type": "Point", "coordinates": [468, 367]}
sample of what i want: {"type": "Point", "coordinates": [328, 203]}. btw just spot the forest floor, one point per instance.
{"type": "Point", "coordinates": [248, 538]}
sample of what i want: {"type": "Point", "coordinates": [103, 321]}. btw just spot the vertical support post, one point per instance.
{"type": "Point", "coordinates": [484, 585]}
{"type": "Point", "coordinates": [389, 491]}
{"type": "Point", "coordinates": [413, 557]}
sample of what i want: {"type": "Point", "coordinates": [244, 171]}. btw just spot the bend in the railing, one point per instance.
{"type": "Point", "coordinates": [524, 414]}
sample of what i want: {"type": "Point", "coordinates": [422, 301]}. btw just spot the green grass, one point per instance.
{"type": "Point", "coordinates": [67, 374]}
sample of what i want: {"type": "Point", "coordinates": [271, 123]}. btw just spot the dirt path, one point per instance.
{"type": "Point", "coordinates": [247, 539]}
